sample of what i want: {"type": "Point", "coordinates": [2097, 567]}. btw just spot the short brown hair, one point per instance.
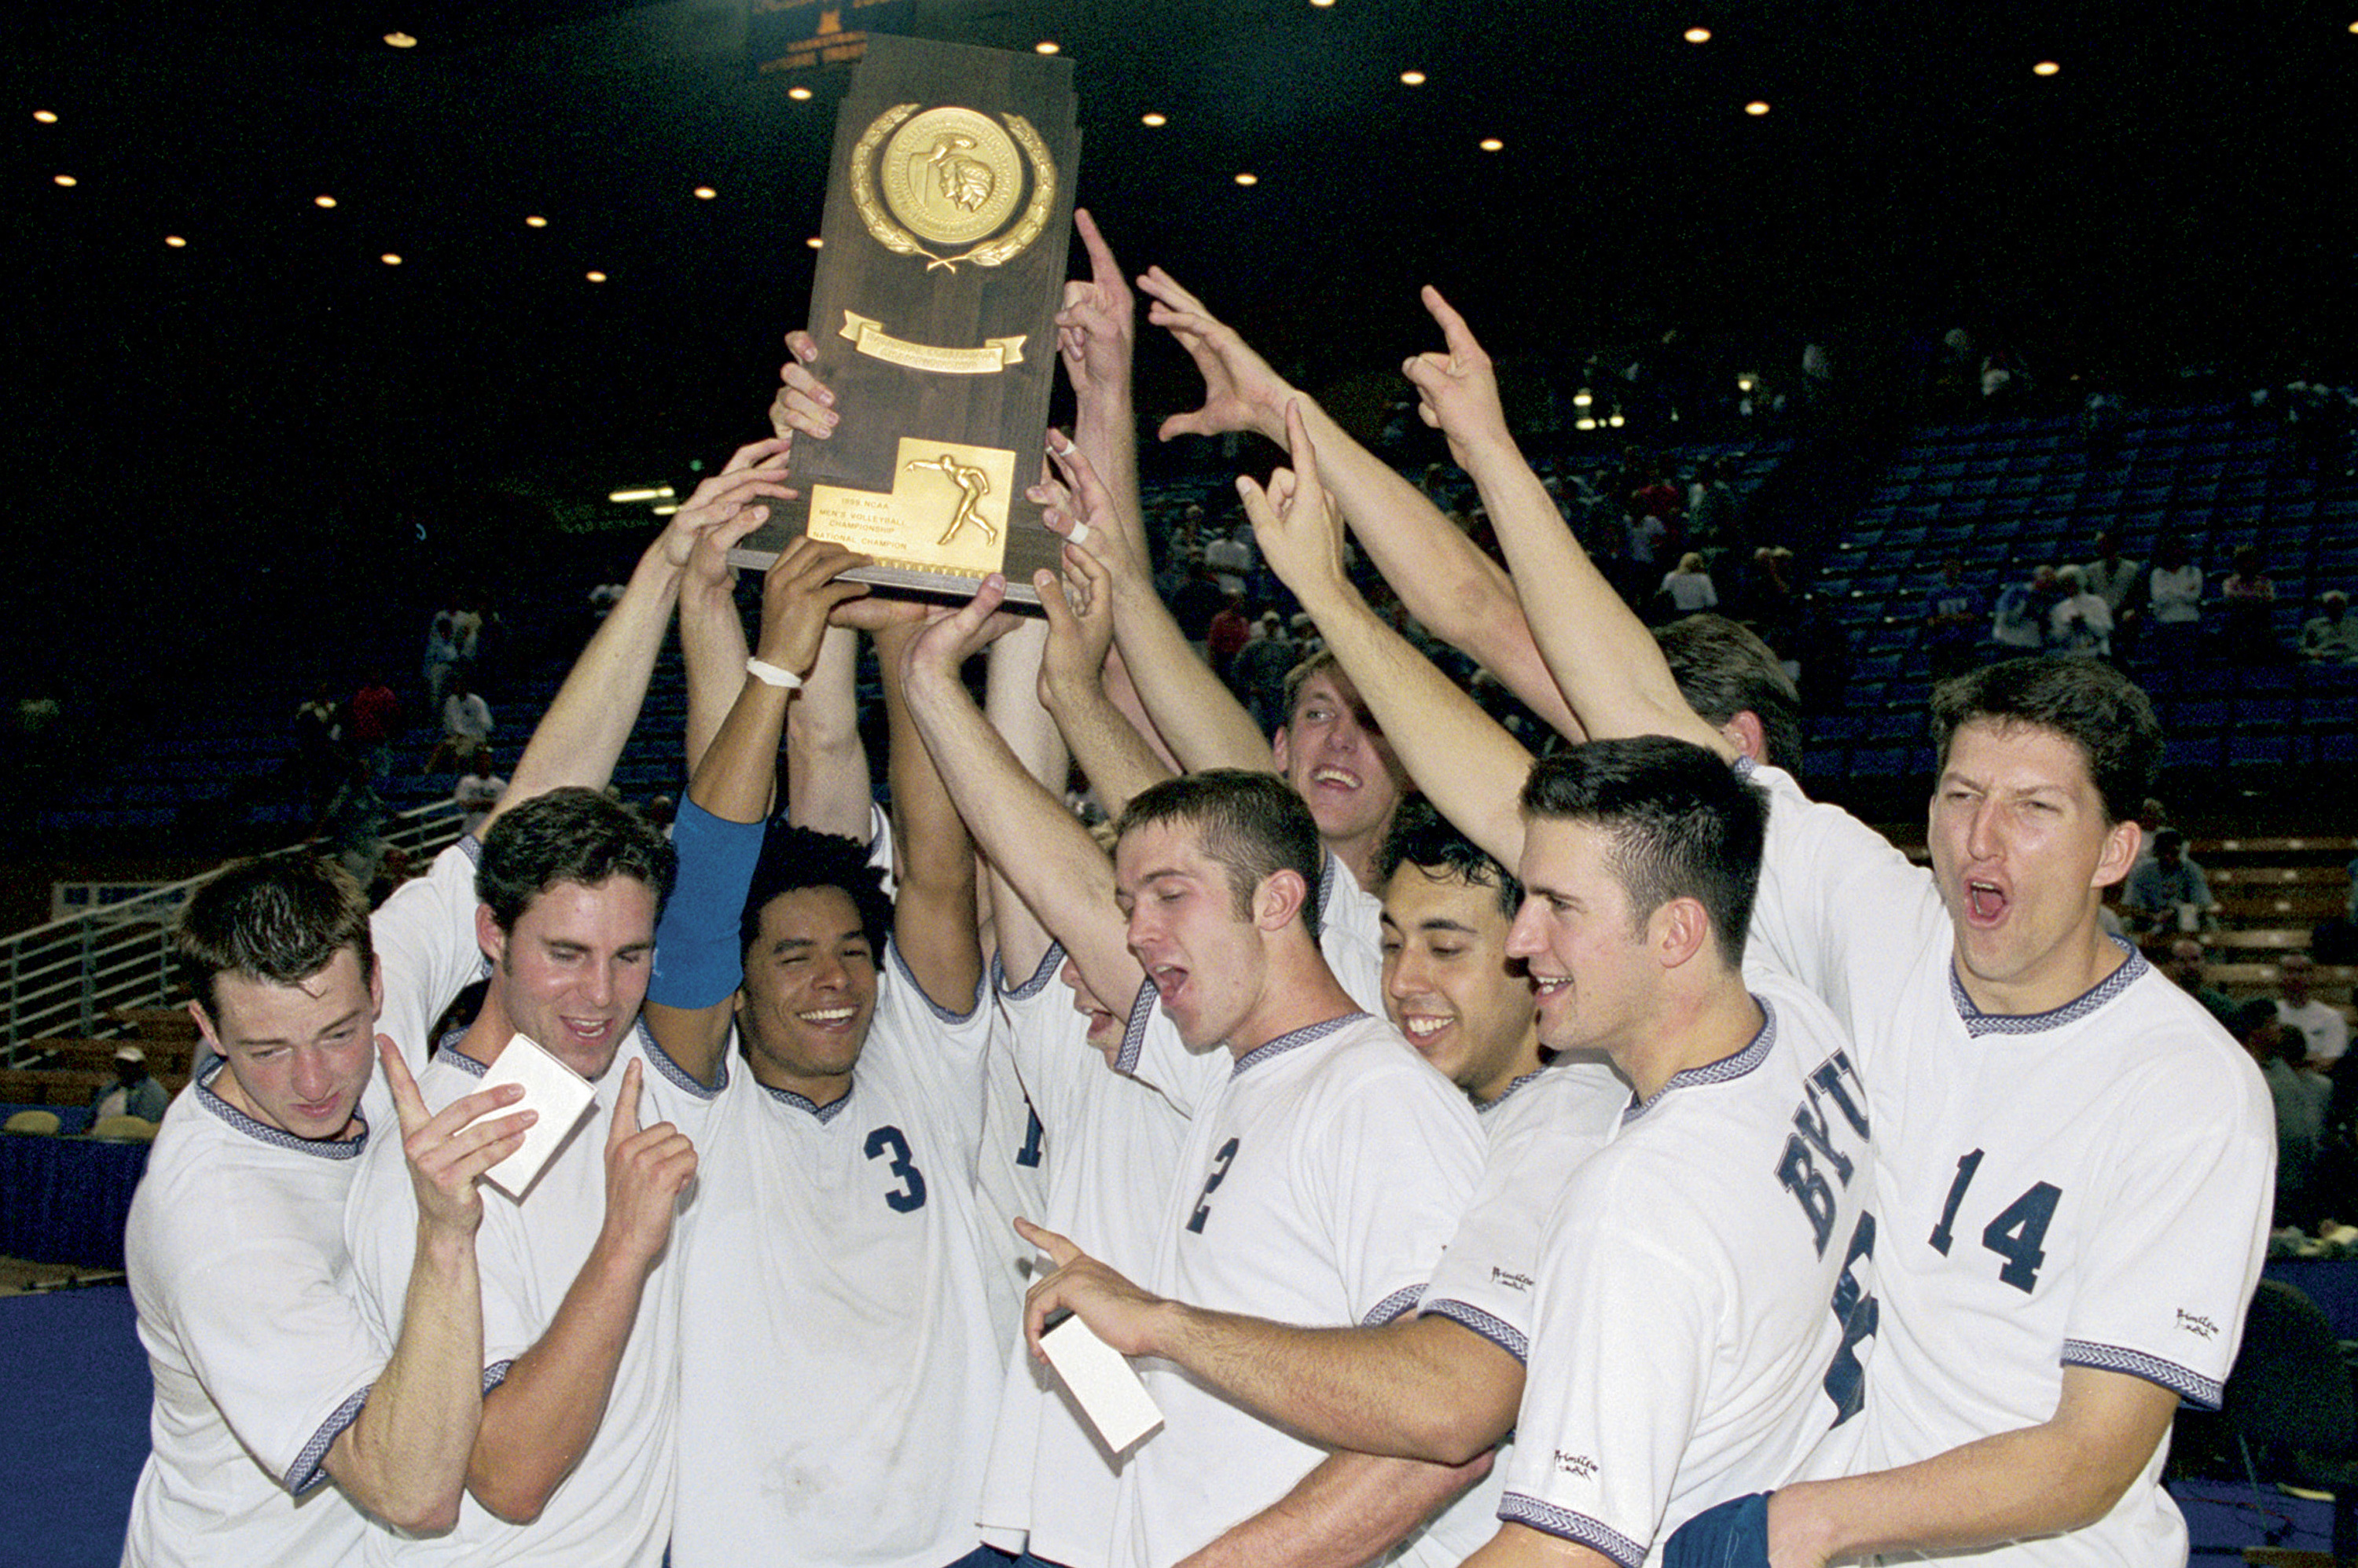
{"type": "Point", "coordinates": [279, 920]}
{"type": "Point", "coordinates": [1252, 825]}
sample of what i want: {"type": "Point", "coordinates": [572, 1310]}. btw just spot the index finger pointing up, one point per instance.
{"type": "Point", "coordinates": [626, 1106]}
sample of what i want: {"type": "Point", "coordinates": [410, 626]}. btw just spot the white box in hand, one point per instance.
{"type": "Point", "coordinates": [1103, 1383]}
{"type": "Point", "coordinates": [558, 1093]}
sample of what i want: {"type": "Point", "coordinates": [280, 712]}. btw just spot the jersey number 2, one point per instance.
{"type": "Point", "coordinates": [1212, 1183]}
{"type": "Point", "coordinates": [912, 1193]}
{"type": "Point", "coordinates": [2017, 1232]}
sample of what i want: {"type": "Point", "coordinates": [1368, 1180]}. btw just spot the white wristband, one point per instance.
{"type": "Point", "coordinates": [1079, 535]}
{"type": "Point", "coordinates": [771, 675]}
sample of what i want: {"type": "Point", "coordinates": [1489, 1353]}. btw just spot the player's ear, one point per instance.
{"type": "Point", "coordinates": [1279, 900]}
{"type": "Point", "coordinates": [1678, 931]}
{"type": "Point", "coordinates": [205, 1027]}
{"type": "Point", "coordinates": [1279, 751]}
{"type": "Point", "coordinates": [1745, 733]}
{"type": "Point", "coordinates": [2122, 840]}
{"type": "Point", "coordinates": [489, 936]}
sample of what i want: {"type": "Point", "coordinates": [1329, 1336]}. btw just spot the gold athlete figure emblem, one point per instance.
{"type": "Point", "coordinates": [973, 484]}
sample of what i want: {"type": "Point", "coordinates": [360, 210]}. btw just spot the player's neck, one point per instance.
{"type": "Point", "coordinates": [821, 1089]}
{"type": "Point", "coordinates": [1522, 1064]}
{"type": "Point", "coordinates": [1695, 1028]}
{"type": "Point", "coordinates": [1297, 990]}
{"type": "Point", "coordinates": [2069, 971]}
{"type": "Point", "coordinates": [1357, 853]}
{"type": "Point", "coordinates": [488, 1035]}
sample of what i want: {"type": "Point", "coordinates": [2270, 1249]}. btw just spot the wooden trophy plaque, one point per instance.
{"type": "Point", "coordinates": [949, 204]}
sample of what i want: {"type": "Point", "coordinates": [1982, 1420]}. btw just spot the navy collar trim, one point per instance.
{"type": "Point", "coordinates": [1306, 1035]}
{"type": "Point", "coordinates": [804, 1103]}
{"type": "Point", "coordinates": [277, 1138]}
{"type": "Point", "coordinates": [1978, 1023]}
{"type": "Point", "coordinates": [1719, 1072]}
{"type": "Point", "coordinates": [1510, 1091]}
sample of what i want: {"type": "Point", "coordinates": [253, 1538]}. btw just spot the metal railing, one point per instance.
{"type": "Point", "coordinates": [68, 977]}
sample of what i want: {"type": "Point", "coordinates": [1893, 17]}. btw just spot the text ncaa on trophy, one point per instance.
{"type": "Point", "coordinates": [949, 204]}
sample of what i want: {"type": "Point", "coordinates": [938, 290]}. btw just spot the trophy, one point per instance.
{"type": "Point", "coordinates": [950, 203]}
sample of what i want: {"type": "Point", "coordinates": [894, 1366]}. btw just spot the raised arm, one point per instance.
{"type": "Point", "coordinates": [582, 733]}
{"type": "Point", "coordinates": [1118, 760]}
{"type": "Point", "coordinates": [1026, 833]}
{"type": "Point", "coordinates": [1452, 588]}
{"type": "Point", "coordinates": [1096, 332]}
{"type": "Point", "coordinates": [1469, 767]}
{"type": "Point", "coordinates": [404, 1457]}
{"type": "Point", "coordinates": [698, 962]}
{"type": "Point", "coordinates": [1010, 698]}
{"type": "Point", "coordinates": [1602, 658]}
{"type": "Point", "coordinates": [933, 918]}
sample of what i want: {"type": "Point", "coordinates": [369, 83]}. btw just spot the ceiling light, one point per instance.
{"type": "Point", "coordinates": [1756, 108]}
{"type": "Point", "coordinates": [177, 242]}
{"type": "Point", "coordinates": [705, 193]}
{"type": "Point", "coordinates": [1248, 180]}
{"type": "Point", "coordinates": [1412, 78]}
{"type": "Point", "coordinates": [1047, 46]}
{"type": "Point", "coordinates": [1490, 144]}
{"type": "Point", "coordinates": [1614, 421]}
{"type": "Point", "coordinates": [1583, 423]}
{"type": "Point", "coordinates": [1698, 34]}
{"type": "Point", "coordinates": [535, 221]}
{"type": "Point", "coordinates": [1152, 118]}
{"type": "Point", "coordinates": [2045, 67]}
{"type": "Point", "coordinates": [323, 201]}
{"type": "Point", "coordinates": [401, 40]}
{"type": "Point", "coordinates": [799, 94]}
{"type": "Point", "coordinates": [595, 276]}
{"type": "Point", "coordinates": [46, 117]}
{"type": "Point", "coordinates": [816, 243]}
{"type": "Point", "coordinates": [68, 180]}
{"type": "Point", "coordinates": [645, 493]}
{"type": "Point", "coordinates": [390, 259]}
{"type": "Point", "coordinates": [1322, 5]}
{"type": "Point", "coordinates": [1582, 399]}
{"type": "Point", "coordinates": [666, 509]}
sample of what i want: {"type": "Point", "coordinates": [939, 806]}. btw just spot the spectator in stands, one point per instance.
{"type": "Point", "coordinates": [1713, 514]}
{"type": "Point", "coordinates": [1226, 637]}
{"type": "Point", "coordinates": [133, 1092]}
{"type": "Point", "coordinates": [2319, 1024]}
{"type": "Point", "coordinates": [1657, 497]}
{"type": "Point", "coordinates": [478, 790]}
{"type": "Point", "coordinates": [2330, 637]}
{"type": "Point", "coordinates": [2301, 1100]}
{"type": "Point", "coordinates": [2248, 633]}
{"type": "Point", "coordinates": [2184, 967]}
{"type": "Point", "coordinates": [1198, 600]}
{"type": "Point", "coordinates": [1688, 589]}
{"type": "Point", "coordinates": [1259, 675]}
{"type": "Point", "coordinates": [372, 713]}
{"type": "Point", "coordinates": [442, 655]}
{"type": "Point", "coordinates": [1772, 603]}
{"type": "Point", "coordinates": [1643, 535]}
{"type": "Point", "coordinates": [2174, 595]}
{"type": "Point", "coordinates": [2080, 623]}
{"type": "Point", "coordinates": [2168, 893]}
{"type": "Point", "coordinates": [1232, 559]}
{"type": "Point", "coordinates": [1954, 613]}
{"type": "Point", "coordinates": [2023, 620]}
{"type": "Point", "coordinates": [319, 747]}
{"type": "Point", "coordinates": [466, 726]}
{"type": "Point", "coordinates": [2120, 583]}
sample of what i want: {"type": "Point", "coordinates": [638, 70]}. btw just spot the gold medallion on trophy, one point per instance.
{"type": "Point", "coordinates": [952, 177]}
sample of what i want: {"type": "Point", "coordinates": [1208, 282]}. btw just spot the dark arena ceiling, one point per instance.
{"type": "Point", "coordinates": [2178, 191]}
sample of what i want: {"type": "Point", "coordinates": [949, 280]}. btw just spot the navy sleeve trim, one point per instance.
{"type": "Point", "coordinates": [1497, 1330]}
{"type": "Point", "coordinates": [310, 1466]}
{"type": "Point", "coordinates": [1400, 1304]}
{"type": "Point", "coordinates": [901, 972]}
{"type": "Point", "coordinates": [2192, 1387]}
{"type": "Point", "coordinates": [673, 1073]}
{"type": "Point", "coordinates": [1050, 962]}
{"type": "Point", "coordinates": [1566, 1525]}
{"type": "Point", "coordinates": [1133, 1038]}
{"type": "Point", "coordinates": [496, 1373]}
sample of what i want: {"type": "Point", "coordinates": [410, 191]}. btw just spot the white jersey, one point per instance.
{"type": "Point", "coordinates": [1319, 1182]}
{"type": "Point", "coordinates": [1113, 1146]}
{"type": "Point", "coordinates": [1351, 935]}
{"type": "Point", "coordinates": [2085, 1187]}
{"type": "Point", "coordinates": [1704, 1285]}
{"type": "Point", "coordinates": [261, 1352]}
{"type": "Point", "coordinates": [1539, 1131]}
{"type": "Point", "coordinates": [844, 1328]}
{"type": "Point", "coordinates": [614, 1509]}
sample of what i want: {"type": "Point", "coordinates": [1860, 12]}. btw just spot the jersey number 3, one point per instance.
{"type": "Point", "coordinates": [2016, 1235]}
{"type": "Point", "coordinates": [912, 1191]}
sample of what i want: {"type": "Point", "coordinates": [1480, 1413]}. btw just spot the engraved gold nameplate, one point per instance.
{"type": "Point", "coordinates": [947, 513]}
{"type": "Point", "coordinates": [952, 175]}
{"type": "Point", "coordinates": [870, 338]}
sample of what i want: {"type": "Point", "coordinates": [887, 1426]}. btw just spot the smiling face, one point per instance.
{"type": "Point", "coordinates": [1338, 761]}
{"type": "Point", "coordinates": [298, 1054]}
{"type": "Point", "coordinates": [1590, 959]}
{"type": "Point", "coordinates": [809, 994]}
{"type": "Point", "coordinates": [1203, 956]}
{"type": "Point", "coordinates": [2021, 852]}
{"type": "Point", "coordinates": [572, 971]}
{"type": "Point", "coordinates": [1449, 985]}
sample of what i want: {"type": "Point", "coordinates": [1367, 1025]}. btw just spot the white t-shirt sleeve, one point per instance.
{"type": "Point", "coordinates": [946, 1048]}
{"type": "Point", "coordinates": [1396, 1167]}
{"type": "Point", "coordinates": [425, 941]}
{"type": "Point", "coordinates": [1351, 935]}
{"type": "Point", "coordinates": [2167, 1274]}
{"type": "Point", "coordinates": [1628, 1321]}
{"type": "Point", "coordinates": [286, 1356]}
